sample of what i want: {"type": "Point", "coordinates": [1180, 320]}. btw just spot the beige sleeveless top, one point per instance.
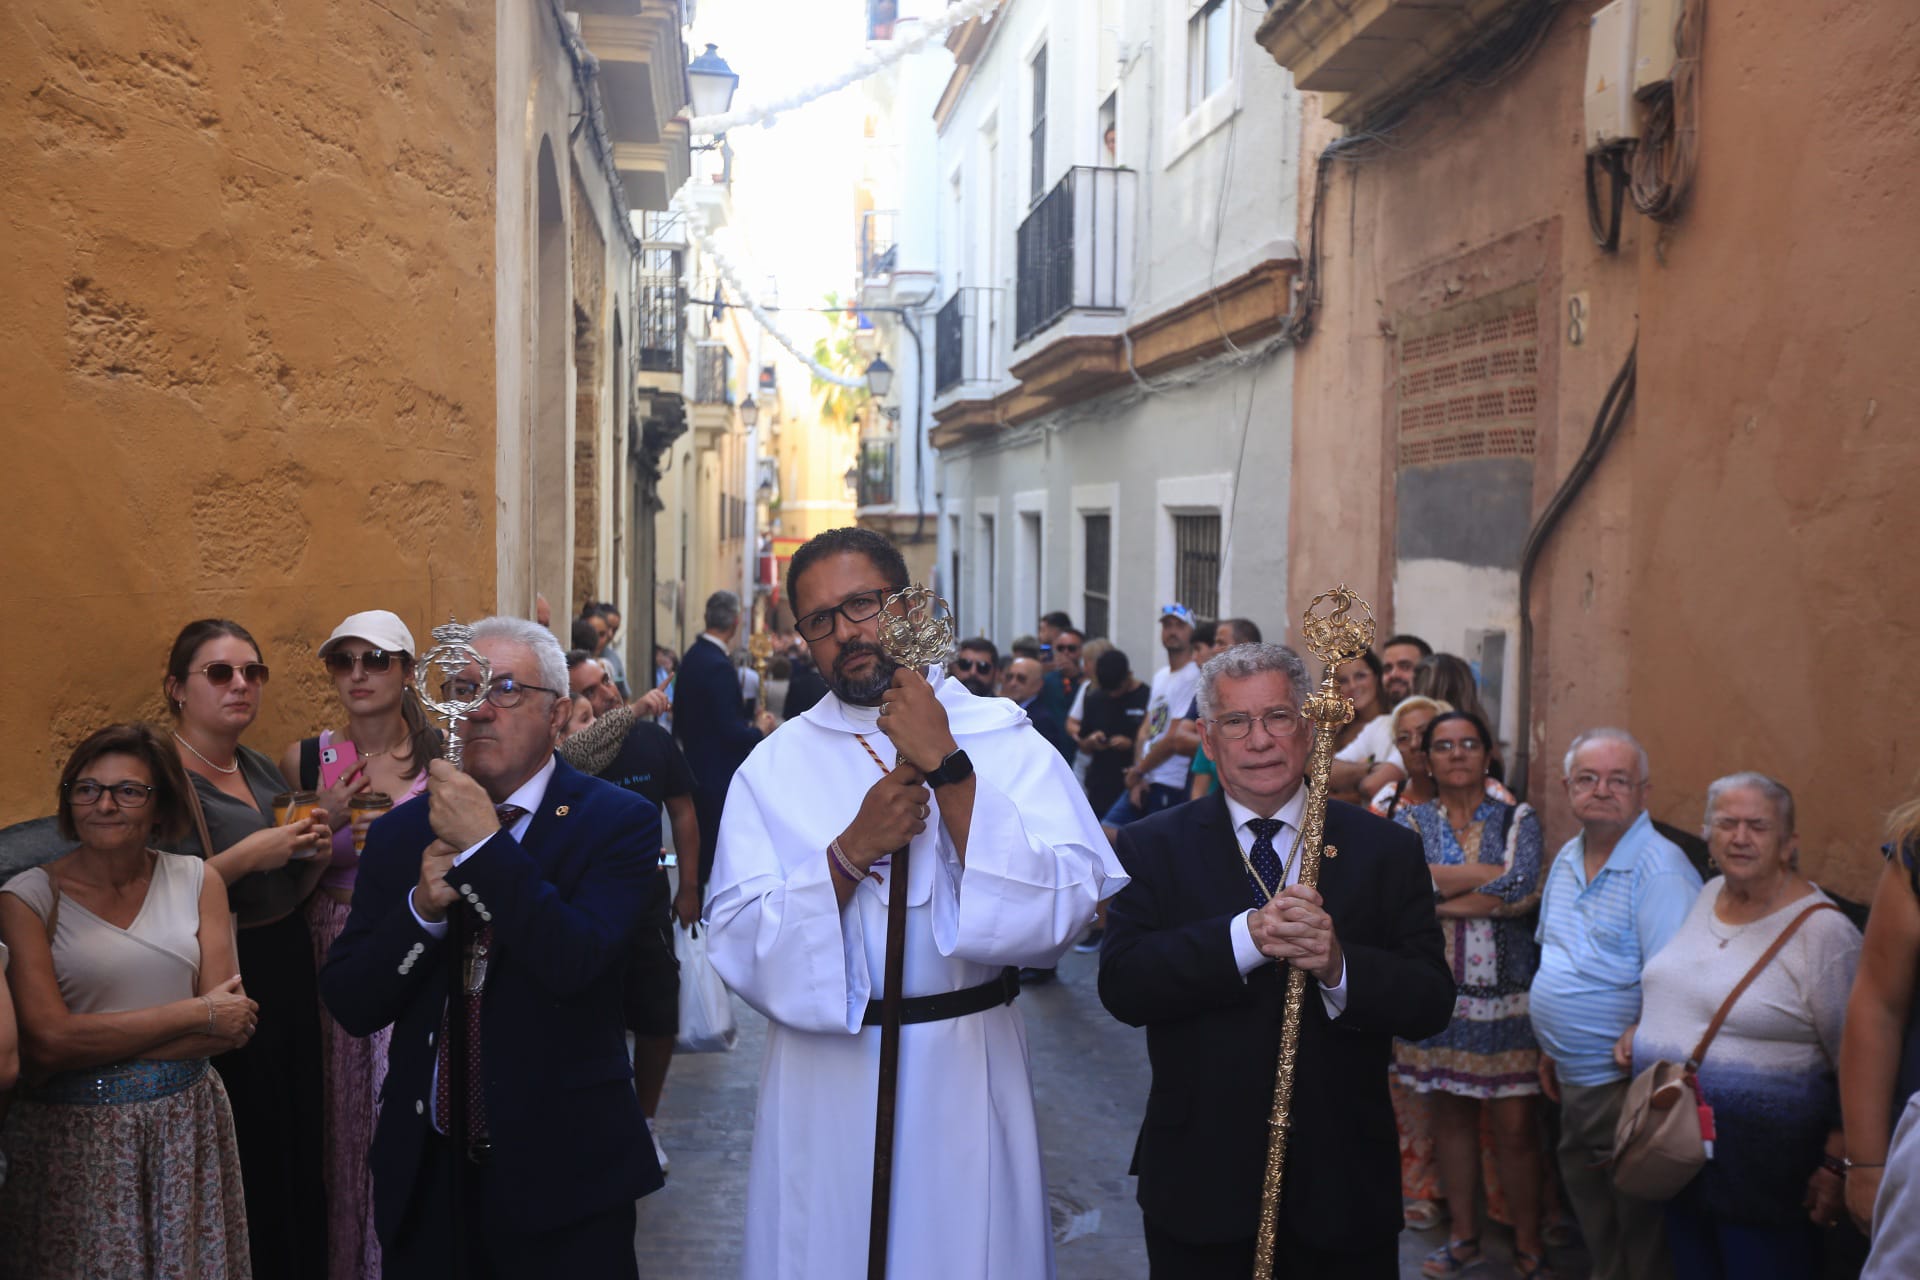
{"type": "Point", "coordinates": [105, 969]}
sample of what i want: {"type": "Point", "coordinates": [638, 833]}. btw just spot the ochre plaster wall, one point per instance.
{"type": "Point", "coordinates": [1742, 545]}
{"type": "Point", "coordinates": [246, 341]}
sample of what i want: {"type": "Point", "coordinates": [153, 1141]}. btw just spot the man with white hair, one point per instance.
{"type": "Point", "coordinates": [1617, 892]}
{"type": "Point", "coordinates": [489, 925]}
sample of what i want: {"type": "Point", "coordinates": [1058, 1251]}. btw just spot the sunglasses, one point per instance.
{"type": "Point", "coordinates": [983, 665]}
{"type": "Point", "coordinates": [373, 661]}
{"type": "Point", "coordinates": [224, 672]}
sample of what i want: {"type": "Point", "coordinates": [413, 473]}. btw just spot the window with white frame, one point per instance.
{"type": "Point", "coordinates": [1037, 135]}
{"type": "Point", "coordinates": [1209, 51]}
{"type": "Point", "coordinates": [1196, 563]}
{"type": "Point", "coordinates": [1030, 573]}
{"type": "Point", "coordinates": [1096, 598]}
{"type": "Point", "coordinates": [983, 574]}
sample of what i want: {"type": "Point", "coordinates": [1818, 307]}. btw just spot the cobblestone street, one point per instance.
{"type": "Point", "coordinates": [1090, 1075]}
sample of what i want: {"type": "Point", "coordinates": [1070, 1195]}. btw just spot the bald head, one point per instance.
{"type": "Point", "coordinates": [1022, 680]}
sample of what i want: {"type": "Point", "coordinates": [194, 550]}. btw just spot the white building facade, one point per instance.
{"type": "Point", "coordinates": [1114, 188]}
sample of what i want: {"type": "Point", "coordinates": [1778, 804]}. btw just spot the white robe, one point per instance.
{"type": "Point", "coordinates": [969, 1196]}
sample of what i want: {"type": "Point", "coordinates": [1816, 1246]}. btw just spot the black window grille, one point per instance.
{"type": "Point", "coordinates": [1196, 564]}
{"type": "Point", "coordinates": [1099, 562]}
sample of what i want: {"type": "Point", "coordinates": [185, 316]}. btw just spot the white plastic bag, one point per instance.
{"type": "Point", "coordinates": [706, 1010]}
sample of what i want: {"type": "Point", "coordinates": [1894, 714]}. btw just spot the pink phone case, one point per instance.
{"type": "Point", "coordinates": [344, 758]}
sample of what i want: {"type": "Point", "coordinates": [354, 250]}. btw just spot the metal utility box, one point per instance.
{"type": "Point", "coordinates": [1653, 43]}
{"type": "Point", "coordinates": [1609, 87]}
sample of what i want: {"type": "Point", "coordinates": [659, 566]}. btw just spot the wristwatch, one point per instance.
{"type": "Point", "coordinates": [955, 768]}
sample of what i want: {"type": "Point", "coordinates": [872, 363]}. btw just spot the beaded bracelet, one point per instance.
{"type": "Point", "coordinates": [843, 864]}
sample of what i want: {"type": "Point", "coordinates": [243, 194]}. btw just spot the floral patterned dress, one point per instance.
{"type": "Point", "coordinates": [1488, 1050]}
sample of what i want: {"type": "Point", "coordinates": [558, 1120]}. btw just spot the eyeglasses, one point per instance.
{"type": "Point", "coordinates": [373, 661]}
{"type": "Point", "coordinates": [504, 693]}
{"type": "Point", "coordinates": [983, 665]}
{"type": "Point", "coordinates": [1727, 826]}
{"type": "Point", "coordinates": [856, 608]}
{"type": "Point", "coordinates": [1408, 740]}
{"type": "Point", "coordinates": [1066, 648]}
{"type": "Point", "coordinates": [223, 672]}
{"type": "Point", "coordinates": [1456, 747]}
{"type": "Point", "coordinates": [128, 795]}
{"type": "Point", "coordinates": [1280, 722]}
{"type": "Point", "coordinates": [1586, 780]}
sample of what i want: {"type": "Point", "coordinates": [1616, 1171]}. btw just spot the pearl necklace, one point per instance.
{"type": "Point", "coordinates": [223, 768]}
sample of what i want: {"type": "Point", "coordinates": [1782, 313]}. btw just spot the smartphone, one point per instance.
{"type": "Point", "coordinates": [335, 761]}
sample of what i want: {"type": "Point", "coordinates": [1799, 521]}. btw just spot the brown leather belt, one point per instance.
{"type": "Point", "coordinates": [952, 1004]}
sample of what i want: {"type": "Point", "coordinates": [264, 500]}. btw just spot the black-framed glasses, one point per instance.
{"type": "Point", "coordinates": [373, 661]}
{"type": "Point", "coordinates": [1279, 722]}
{"type": "Point", "coordinates": [128, 795]}
{"type": "Point", "coordinates": [982, 665]}
{"type": "Point", "coordinates": [504, 693]}
{"type": "Point", "coordinates": [224, 672]}
{"type": "Point", "coordinates": [818, 625]}
{"type": "Point", "coordinates": [1456, 747]}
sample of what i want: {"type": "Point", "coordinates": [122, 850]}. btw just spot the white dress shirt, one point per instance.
{"type": "Point", "coordinates": [1246, 953]}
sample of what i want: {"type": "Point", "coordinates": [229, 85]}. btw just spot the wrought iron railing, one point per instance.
{"type": "Point", "coordinates": [879, 249]}
{"type": "Point", "coordinates": [966, 338]}
{"type": "Point", "coordinates": [712, 374]}
{"type": "Point", "coordinates": [1074, 249]}
{"type": "Point", "coordinates": [662, 323]}
{"type": "Point", "coordinates": [875, 486]}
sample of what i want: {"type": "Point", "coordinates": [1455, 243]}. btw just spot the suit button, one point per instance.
{"type": "Point", "coordinates": [467, 889]}
{"type": "Point", "coordinates": [419, 1107]}
{"type": "Point", "coordinates": [429, 1037]}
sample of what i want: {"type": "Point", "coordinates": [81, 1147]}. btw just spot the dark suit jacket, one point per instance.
{"type": "Point", "coordinates": [568, 1139]}
{"type": "Point", "coordinates": [711, 722]}
{"type": "Point", "coordinates": [1050, 727]}
{"type": "Point", "coordinates": [1167, 965]}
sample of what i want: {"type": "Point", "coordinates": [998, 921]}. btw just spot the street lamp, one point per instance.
{"type": "Point", "coordinates": [879, 378]}
{"type": "Point", "coordinates": [749, 413]}
{"type": "Point", "coordinates": [710, 83]}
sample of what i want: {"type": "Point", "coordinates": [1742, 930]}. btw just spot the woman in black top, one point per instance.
{"type": "Point", "coordinates": [215, 678]}
{"type": "Point", "coordinates": [1116, 707]}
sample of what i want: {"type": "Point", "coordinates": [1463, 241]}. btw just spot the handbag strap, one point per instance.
{"type": "Point", "coordinates": [1766, 958]}
{"type": "Point", "coordinates": [199, 819]}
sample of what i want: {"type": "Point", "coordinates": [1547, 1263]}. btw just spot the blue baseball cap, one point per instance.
{"type": "Point", "coordinates": [1176, 610]}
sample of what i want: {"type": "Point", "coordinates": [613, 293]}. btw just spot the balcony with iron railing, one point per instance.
{"type": "Point", "coordinates": [879, 243]}
{"type": "Point", "coordinates": [875, 484]}
{"type": "Point", "coordinates": [661, 324]}
{"type": "Point", "coordinates": [966, 339]}
{"type": "Point", "coordinates": [712, 374]}
{"type": "Point", "coordinates": [1075, 251]}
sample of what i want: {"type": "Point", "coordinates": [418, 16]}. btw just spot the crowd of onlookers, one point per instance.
{"type": "Point", "coordinates": [1576, 969]}
{"type": "Point", "coordinates": [188, 1107]}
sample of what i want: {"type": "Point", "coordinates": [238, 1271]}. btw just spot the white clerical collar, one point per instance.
{"type": "Point", "coordinates": [1290, 813]}
{"type": "Point", "coordinates": [530, 793]}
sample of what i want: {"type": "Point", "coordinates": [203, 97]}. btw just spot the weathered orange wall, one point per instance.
{"type": "Point", "coordinates": [1734, 583]}
{"type": "Point", "coordinates": [246, 343]}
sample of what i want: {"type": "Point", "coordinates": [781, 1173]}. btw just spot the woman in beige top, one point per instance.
{"type": "Point", "coordinates": [122, 966]}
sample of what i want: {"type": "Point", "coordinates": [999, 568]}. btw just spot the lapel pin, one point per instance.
{"type": "Point", "coordinates": [1330, 852]}
{"type": "Point", "coordinates": [561, 812]}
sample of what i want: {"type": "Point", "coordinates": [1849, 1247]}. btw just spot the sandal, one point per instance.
{"type": "Point", "coordinates": [1423, 1215]}
{"type": "Point", "coordinates": [1530, 1266]}
{"type": "Point", "coordinates": [1451, 1258]}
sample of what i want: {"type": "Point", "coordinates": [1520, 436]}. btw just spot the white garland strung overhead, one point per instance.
{"type": "Point", "coordinates": [697, 228]}
{"type": "Point", "coordinates": [915, 37]}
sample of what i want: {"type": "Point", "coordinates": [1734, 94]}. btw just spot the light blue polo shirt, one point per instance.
{"type": "Point", "coordinates": [1594, 941]}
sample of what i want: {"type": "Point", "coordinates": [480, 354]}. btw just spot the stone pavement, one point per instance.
{"type": "Point", "coordinates": [1090, 1078]}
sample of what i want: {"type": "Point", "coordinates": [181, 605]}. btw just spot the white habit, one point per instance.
{"type": "Point", "coordinates": [969, 1196]}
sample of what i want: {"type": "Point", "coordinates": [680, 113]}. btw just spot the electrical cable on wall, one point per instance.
{"type": "Point", "coordinates": [1606, 229]}
{"type": "Point", "coordinates": [1664, 162]}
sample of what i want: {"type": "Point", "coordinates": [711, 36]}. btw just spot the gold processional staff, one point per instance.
{"type": "Point", "coordinates": [1334, 638]}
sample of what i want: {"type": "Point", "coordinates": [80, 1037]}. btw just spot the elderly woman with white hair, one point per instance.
{"type": "Point", "coordinates": [1757, 1209]}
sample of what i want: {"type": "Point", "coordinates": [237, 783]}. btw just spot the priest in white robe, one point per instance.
{"type": "Point", "coordinates": [1007, 863]}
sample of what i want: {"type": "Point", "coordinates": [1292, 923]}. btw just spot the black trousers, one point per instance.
{"type": "Point", "coordinates": [596, 1248]}
{"type": "Point", "coordinates": [1169, 1258]}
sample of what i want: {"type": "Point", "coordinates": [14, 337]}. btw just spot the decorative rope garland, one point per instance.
{"type": "Point", "coordinates": [916, 38]}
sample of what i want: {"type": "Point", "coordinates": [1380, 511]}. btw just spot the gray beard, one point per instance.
{"type": "Point", "coordinates": [864, 691]}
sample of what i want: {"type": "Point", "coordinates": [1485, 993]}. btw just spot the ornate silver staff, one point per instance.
{"type": "Point", "coordinates": [452, 653]}
{"type": "Point", "coordinates": [1334, 638]}
{"type": "Point", "coordinates": [916, 630]}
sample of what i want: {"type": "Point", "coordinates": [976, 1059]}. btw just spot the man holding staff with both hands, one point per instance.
{"type": "Point", "coordinates": [1005, 863]}
{"type": "Point", "coordinates": [1197, 951]}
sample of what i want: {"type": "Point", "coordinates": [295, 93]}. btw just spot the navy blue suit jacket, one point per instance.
{"type": "Point", "coordinates": [1167, 964]}
{"type": "Point", "coordinates": [568, 1138]}
{"type": "Point", "coordinates": [710, 719]}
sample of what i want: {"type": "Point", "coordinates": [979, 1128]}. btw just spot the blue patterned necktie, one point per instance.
{"type": "Point", "coordinates": [1265, 859]}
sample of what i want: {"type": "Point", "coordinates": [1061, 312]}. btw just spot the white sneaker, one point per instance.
{"type": "Point", "coordinates": [659, 1152]}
